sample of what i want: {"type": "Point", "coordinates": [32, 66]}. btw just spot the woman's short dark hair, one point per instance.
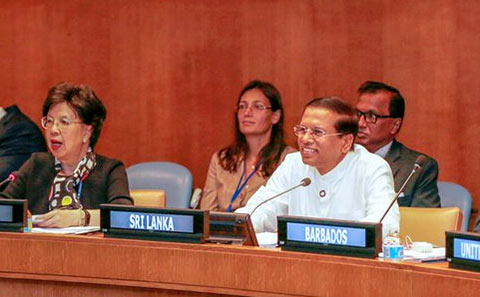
{"type": "Point", "coordinates": [348, 123]}
{"type": "Point", "coordinates": [83, 101]}
{"type": "Point", "coordinates": [231, 155]}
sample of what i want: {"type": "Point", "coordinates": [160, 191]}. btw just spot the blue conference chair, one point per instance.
{"type": "Point", "coordinates": [452, 194]}
{"type": "Point", "coordinates": [175, 179]}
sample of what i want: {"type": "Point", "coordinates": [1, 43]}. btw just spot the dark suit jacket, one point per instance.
{"type": "Point", "coordinates": [422, 190]}
{"type": "Point", "coordinates": [19, 138]}
{"type": "Point", "coordinates": [107, 183]}
{"type": "Point", "coordinates": [476, 228]}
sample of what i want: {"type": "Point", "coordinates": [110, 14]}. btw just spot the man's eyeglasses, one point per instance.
{"type": "Point", "coordinates": [370, 116]}
{"type": "Point", "coordinates": [256, 106]}
{"type": "Point", "coordinates": [63, 123]}
{"type": "Point", "coordinates": [318, 133]}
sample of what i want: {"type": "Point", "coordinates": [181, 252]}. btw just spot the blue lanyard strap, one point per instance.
{"type": "Point", "coordinates": [241, 185]}
{"type": "Point", "coordinates": [80, 187]}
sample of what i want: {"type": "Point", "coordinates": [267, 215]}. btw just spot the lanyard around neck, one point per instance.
{"type": "Point", "coordinates": [80, 187]}
{"type": "Point", "coordinates": [241, 185]}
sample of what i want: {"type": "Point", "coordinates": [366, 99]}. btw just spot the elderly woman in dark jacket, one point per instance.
{"type": "Point", "coordinates": [66, 186]}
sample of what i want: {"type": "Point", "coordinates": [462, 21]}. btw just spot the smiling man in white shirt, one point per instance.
{"type": "Point", "coordinates": [348, 182]}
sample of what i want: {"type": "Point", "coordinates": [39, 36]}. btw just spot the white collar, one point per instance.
{"type": "Point", "coordinates": [382, 152]}
{"type": "Point", "coordinates": [3, 113]}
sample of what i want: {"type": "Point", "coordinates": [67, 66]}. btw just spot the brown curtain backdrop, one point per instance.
{"type": "Point", "coordinates": [170, 71]}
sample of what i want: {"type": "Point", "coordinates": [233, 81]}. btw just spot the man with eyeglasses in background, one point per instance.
{"type": "Point", "coordinates": [380, 111]}
{"type": "Point", "coordinates": [347, 182]}
{"type": "Point", "coordinates": [19, 138]}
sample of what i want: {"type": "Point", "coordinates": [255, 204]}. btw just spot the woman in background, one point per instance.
{"type": "Point", "coordinates": [66, 186]}
{"type": "Point", "coordinates": [237, 171]}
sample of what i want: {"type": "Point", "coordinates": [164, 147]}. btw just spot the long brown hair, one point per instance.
{"type": "Point", "coordinates": [231, 156]}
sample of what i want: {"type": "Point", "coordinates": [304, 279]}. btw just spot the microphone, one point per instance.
{"type": "Point", "coordinates": [419, 162]}
{"type": "Point", "coordinates": [303, 183]}
{"type": "Point", "coordinates": [12, 177]}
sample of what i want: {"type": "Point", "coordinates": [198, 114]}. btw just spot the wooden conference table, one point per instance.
{"type": "Point", "coordinates": [91, 265]}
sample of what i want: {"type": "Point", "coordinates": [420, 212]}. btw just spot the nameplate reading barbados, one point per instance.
{"type": "Point", "coordinates": [154, 223]}
{"type": "Point", "coordinates": [329, 236]}
{"type": "Point", "coordinates": [326, 234]}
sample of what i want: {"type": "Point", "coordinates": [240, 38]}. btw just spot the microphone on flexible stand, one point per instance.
{"type": "Point", "coordinates": [303, 183]}
{"type": "Point", "coordinates": [12, 177]}
{"type": "Point", "coordinates": [419, 162]}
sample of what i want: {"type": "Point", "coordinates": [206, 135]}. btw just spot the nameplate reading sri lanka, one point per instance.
{"type": "Point", "coordinates": [182, 225]}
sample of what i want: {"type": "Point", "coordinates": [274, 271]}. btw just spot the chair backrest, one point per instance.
{"type": "Point", "coordinates": [155, 198]}
{"type": "Point", "coordinates": [452, 194]}
{"type": "Point", "coordinates": [429, 224]}
{"type": "Point", "coordinates": [175, 179]}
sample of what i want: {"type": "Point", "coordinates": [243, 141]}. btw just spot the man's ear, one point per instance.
{"type": "Point", "coordinates": [397, 123]}
{"type": "Point", "coordinates": [347, 143]}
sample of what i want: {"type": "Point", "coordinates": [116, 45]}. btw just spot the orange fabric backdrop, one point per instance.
{"type": "Point", "coordinates": [170, 71]}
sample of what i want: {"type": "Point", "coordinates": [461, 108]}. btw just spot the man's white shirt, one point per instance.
{"type": "Point", "coordinates": [360, 187]}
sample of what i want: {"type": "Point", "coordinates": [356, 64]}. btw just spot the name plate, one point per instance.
{"type": "Point", "coordinates": [463, 250]}
{"type": "Point", "coordinates": [13, 215]}
{"type": "Point", "coordinates": [180, 225]}
{"type": "Point", "coordinates": [232, 228]}
{"type": "Point", "coordinates": [329, 236]}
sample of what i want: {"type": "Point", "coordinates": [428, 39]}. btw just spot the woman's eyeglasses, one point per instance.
{"type": "Point", "coordinates": [63, 123]}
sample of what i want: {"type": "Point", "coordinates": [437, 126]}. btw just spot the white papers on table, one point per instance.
{"type": "Point", "coordinates": [68, 230]}
{"type": "Point", "coordinates": [437, 254]}
{"type": "Point", "coordinates": [267, 239]}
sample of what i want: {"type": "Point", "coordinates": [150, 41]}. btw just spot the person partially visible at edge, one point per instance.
{"type": "Point", "coordinates": [476, 227]}
{"type": "Point", "coordinates": [19, 138]}
{"type": "Point", "coordinates": [347, 182]}
{"type": "Point", "coordinates": [238, 170]}
{"type": "Point", "coordinates": [65, 186]}
{"type": "Point", "coordinates": [380, 110]}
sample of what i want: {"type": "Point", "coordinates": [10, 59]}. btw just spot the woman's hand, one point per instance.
{"type": "Point", "coordinates": [60, 218]}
